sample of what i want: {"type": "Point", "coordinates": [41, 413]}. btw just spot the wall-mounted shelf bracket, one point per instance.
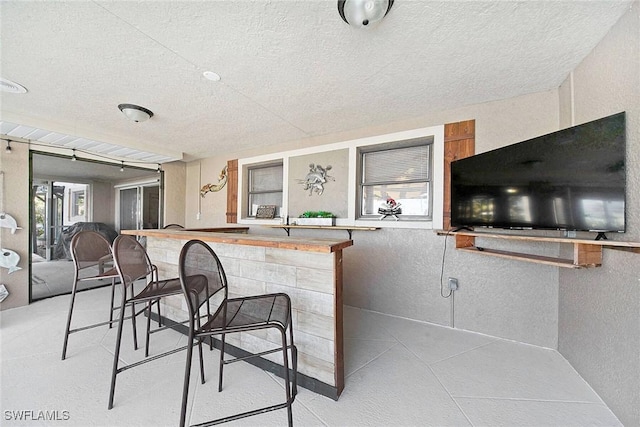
{"type": "Point", "coordinates": [349, 230]}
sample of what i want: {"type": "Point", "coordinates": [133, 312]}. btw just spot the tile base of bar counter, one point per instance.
{"type": "Point", "coordinates": [308, 270]}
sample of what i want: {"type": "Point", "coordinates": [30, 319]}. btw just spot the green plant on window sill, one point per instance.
{"type": "Point", "coordinates": [317, 214]}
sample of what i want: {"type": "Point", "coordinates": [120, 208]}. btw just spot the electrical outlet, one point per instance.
{"type": "Point", "coordinates": [453, 283]}
{"type": "Point", "coordinates": [198, 216]}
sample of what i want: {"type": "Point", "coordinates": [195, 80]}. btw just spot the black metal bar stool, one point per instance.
{"type": "Point", "coordinates": [133, 264]}
{"type": "Point", "coordinates": [92, 260]}
{"type": "Point", "coordinates": [202, 278]}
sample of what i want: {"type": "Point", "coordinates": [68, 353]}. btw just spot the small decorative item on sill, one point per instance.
{"type": "Point", "coordinates": [390, 208]}
{"type": "Point", "coordinates": [319, 218]}
{"type": "Point", "coordinates": [266, 212]}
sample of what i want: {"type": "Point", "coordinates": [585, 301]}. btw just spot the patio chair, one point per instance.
{"type": "Point", "coordinates": [92, 260]}
{"type": "Point", "coordinates": [133, 264]}
{"type": "Point", "coordinates": [204, 284]}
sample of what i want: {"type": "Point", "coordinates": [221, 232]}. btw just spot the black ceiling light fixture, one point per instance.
{"type": "Point", "coordinates": [8, 148]}
{"type": "Point", "coordinates": [135, 113]}
{"type": "Point", "coordinates": [363, 13]}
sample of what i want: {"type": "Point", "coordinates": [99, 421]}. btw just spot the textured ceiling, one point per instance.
{"type": "Point", "coordinates": [290, 69]}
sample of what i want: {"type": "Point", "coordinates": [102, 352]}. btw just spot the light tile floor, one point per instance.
{"type": "Point", "coordinates": [51, 278]}
{"type": "Point", "coordinates": [399, 373]}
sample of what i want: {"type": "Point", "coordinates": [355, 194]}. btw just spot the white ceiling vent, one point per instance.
{"type": "Point", "coordinates": [11, 87]}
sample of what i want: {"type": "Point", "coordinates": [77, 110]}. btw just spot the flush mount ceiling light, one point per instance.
{"type": "Point", "coordinates": [11, 87]}
{"type": "Point", "coordinates": [210, 75]}
{"type": "Point", "coordinates": [135, 113]}
{"type": "Point", "coordinates": [363, 13]}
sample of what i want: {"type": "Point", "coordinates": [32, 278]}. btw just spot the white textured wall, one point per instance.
{"type": "Point", "coordinates": [599, 310]}
{"type": "Point", "coordinates": [397, 271]}
{"type": "Point", "coordinates": [174, 194]}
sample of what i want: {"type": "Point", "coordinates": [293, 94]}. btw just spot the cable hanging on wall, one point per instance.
{"type": "Point", "coordinates": [444, 252]}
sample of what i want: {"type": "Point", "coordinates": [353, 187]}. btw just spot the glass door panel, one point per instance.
{"type": "Point", "coordinates": [56, 216]}
{"type": "Point", "coordinates": [129, 209]}
{"type": "Point", "coordinates": [140, 207]}
{"type": "Point", "coordinates": [150, 206]}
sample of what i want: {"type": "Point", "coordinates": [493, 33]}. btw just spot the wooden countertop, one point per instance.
{"type": "Point", "coordinates": [231, 235]}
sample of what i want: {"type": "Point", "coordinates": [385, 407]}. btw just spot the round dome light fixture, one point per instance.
{"type": "Point", "coordinates": [135, 113]}
{"type": "Point", "coordinates": [363, 13]}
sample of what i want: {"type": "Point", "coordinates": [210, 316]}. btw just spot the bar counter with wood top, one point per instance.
{"type": "Point", "coordinates": [308, 270]}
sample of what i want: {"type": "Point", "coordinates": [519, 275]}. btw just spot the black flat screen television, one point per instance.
{"type": "Point", "coordinates": [573, 179]}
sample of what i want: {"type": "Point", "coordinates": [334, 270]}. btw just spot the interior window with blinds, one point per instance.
{"type": "Point", "coordinates": [265, 188]}
{"type": "Point", "coordinates": [402, 173]}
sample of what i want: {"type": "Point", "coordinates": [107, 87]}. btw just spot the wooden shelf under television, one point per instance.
{"type": "Point", "coordinates": [586, 253]}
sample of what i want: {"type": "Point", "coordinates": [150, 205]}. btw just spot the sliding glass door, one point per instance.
{"type": "Point", "coordinates": [139, 207]}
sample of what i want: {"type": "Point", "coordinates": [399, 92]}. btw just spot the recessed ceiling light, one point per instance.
{"type": "Point", "coordinates": [11, 87]}
{"type": "Point", "coordinates": [210, 75]}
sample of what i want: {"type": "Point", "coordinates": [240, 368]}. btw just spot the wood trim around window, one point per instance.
{"type": "Point", "coordinates": [232, 191]}
{"type": "Point", "coordinates": [459, 142]}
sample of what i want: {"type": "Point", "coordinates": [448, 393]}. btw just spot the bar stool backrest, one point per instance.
{"type": "Point", "coordinates": [131, 259]}
{"type": "Point", "coordinates": [201, 274]}
{"type": "Point", "coordinates": [89, 248]}
{"type": "Point", "coordinates": [174, 226]}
